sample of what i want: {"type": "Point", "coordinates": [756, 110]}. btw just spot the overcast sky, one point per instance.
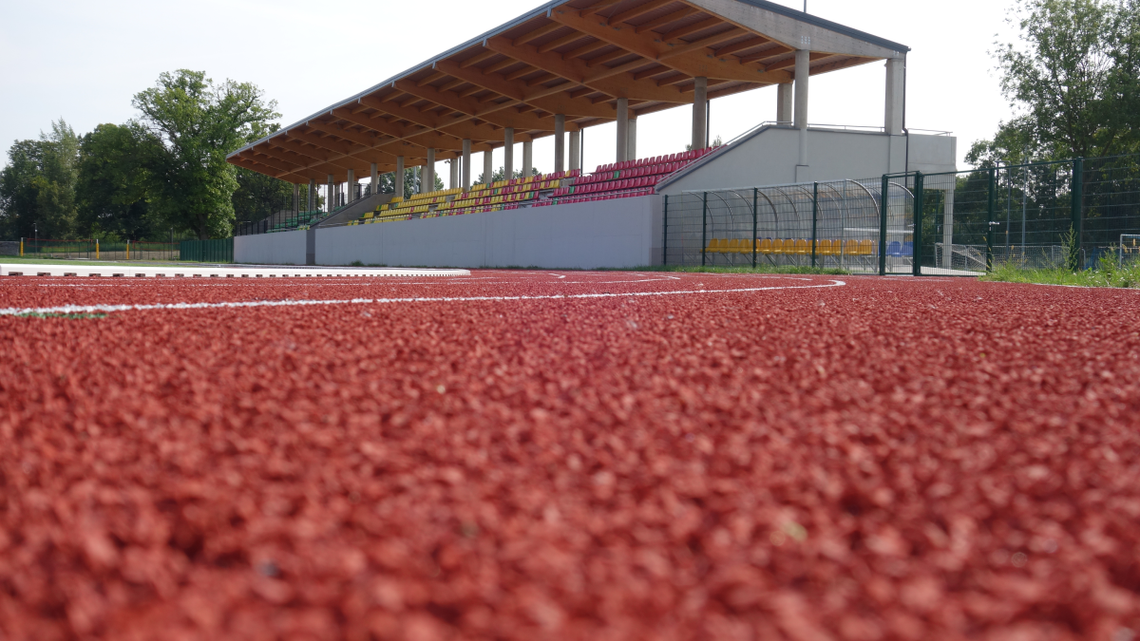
{"type": "Point", "coordinates": [83, 61]}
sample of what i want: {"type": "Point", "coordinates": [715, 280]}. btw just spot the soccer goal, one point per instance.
{"type": "Point", "coordinates": [1129, 249]}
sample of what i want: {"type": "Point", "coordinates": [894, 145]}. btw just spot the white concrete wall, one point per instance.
{"type": "Point", "coordinates": [280, 248]}
{"type": "Point", "coordinates": [769, 158]}
{"type": "Point", "coordinates": [613, 233]}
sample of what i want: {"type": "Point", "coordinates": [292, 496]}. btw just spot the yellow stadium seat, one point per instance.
{"type": "Point", "coordinates": [851, 248]}
{"type": "Point", "coordinates": [764, 246]}
{"type": "Point", "coordinates": [802, 247]}
{"type": "Point", "coordinates": [866, 247]}
{"type": "Point", "coordinates": [732, 247]}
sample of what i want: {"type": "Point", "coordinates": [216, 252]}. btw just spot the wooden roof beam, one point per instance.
{"type": "Point", "coordinates": [743, 45]}
{"type": "Point", "coordinates": [574, 36]}
{"type": "Point", "coordinates": [477, 58]}
{"type": "Point", "coordinates": [668, 18]}
{"type": "Point", "coordinates": [537, 33]}
{"type": "Point", "coordinates": [639, 10]}
{"type": "Point", "coordinates": [578, 72]}
{"type": "Point", "coordinates": [585, 49]}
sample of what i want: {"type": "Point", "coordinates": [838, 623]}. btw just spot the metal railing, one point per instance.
{"type": "Point", "coordinates": [1046, 214]}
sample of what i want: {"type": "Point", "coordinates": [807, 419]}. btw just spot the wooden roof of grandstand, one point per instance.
{"type": "Point", "coordinates": [571, 57]}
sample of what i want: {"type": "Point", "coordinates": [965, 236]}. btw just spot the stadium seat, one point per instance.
{"type": "Point", "coordinates": [894, 248]}
{"type": "Point", "coordinates": [764, 246]}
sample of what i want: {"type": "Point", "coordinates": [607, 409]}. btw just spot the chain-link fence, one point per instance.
{"type": "Point", "coordinates": [95, 249]}
{"type": "Point", "coordinates": [1066, 214]}
{"type": "Point", "coordinates": [827, 224]}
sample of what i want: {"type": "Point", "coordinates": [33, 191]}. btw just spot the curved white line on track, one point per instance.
{"type": "Point", "coordinates": [80, 309]}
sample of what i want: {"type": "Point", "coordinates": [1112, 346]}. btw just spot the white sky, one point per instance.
{"type": "Point", "coordinates": [83, 60]}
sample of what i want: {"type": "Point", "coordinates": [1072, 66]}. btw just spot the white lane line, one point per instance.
{"type": "Point", "coordinates": [77, 309]}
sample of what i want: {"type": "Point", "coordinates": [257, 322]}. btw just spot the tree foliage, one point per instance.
{"type": "Point", "coordinates": [114, 182]}
{"type": "Point", "coordinates": [197, 123]}
{"type": "Point", "coordinates": [37, 188]}
{"type": "Point", "coordinates": [1072, 80]}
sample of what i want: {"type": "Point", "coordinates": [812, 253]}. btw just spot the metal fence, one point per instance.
{"type": "Point", "coordinates": [220, 250]}
{"type": "Point", "coordinates": [1050, 214]}
{"type": "Point", "coordinates": [95, 249]}
{"type": "Point", "coordinates": [836, 223]}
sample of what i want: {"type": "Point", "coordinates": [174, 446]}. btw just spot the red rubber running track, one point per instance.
{"type": "Point", "coordinates": [528, 455]}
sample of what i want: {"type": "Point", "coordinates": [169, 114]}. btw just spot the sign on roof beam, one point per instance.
{"type": "Point", "coordinates": [537, 33]}
{"type": "Point", "coordinates": [477, 58]}
{"type": "Point", "coordinates": [639, 10]}
{"type": "Point", "coordinates": [668, 18]}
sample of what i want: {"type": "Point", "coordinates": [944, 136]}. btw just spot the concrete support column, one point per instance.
{"type": "Point", "coordinates": [559, 142]}
{"type": "Point", "coordinates": [575, 150]}
{"type": "Point", "coordinates": [466, 164]}
{"type": "Point", "coordinates": [453, 173]}
{"type": "Point", "coordinates": [398, 177]}
{"type": "Point", "coordinates": [803, 59]}
{"type": "Point", "coordinates": [375, 184]}
{"type": "Point", "coordinates": [508, 152]}
{"type": "Point", "coordinates": [429, 175]}
{"type": "Point", "coordinates": [631, 151]}
{"type": "Point", "coordinates": [700, 111]}
{"type": "Point", "coordinates": [622, 130]}
{"type": "Point", "coordinates": [488, 167]}
{"type": "Point", "coordinates": [312, 195]}
{"type": "Point", "coordinates": [893, 115]}
{"type": "Point", "coordinates": [330, 198]}
{"type": "Point", "coordinates": [296, 196]}
{"type": "Point", "coordinates": [784, 101]}
{"type": "Point", "coordinates": [528, 158]}
{"type": "Point", "coordinates": [350, 187]}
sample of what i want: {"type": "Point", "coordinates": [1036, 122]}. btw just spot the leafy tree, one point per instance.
{"type": "Point", "coordinates": [113, 182]}
{"type": "Point", "coordinates": [258, 195]}
{"type": "Point", "coordinates": [197, 123]}
{"type": "Point", "coordinates": [1072, 77]}
{"type": "Point", "coordinates": [37, 188]}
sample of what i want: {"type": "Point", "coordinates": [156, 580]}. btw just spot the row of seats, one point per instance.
{"type": "Point", "coordinates": [615, 180]}
{"type": "Point", "coordinates": [791, 247]}
{"type": "Point", "coordinates": [662, 169]}
{"type": "Point", "coordinates": [690, 156]}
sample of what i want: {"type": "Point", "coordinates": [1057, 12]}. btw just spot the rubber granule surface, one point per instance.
{"type": "Point", "coordinates": [530, 455]}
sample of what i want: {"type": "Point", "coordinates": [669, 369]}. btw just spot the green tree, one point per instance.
{"type": "Point", "coordinates": [37, 188]}
{"type": "Point", "coordinates": [197, 123]}
{"type": "Point", "coordinates": [258, 196]}
{"type": "Point", "coordinates": [1072, 77]}
{"type": "Point", "coordinates": [113, 182]}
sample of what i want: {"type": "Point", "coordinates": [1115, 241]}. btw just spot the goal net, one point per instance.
{"type": "Point", "coordinates": [1129, 249]}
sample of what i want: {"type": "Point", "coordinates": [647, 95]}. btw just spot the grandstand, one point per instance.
{"type": "Point", "coordinates": [554, 72]}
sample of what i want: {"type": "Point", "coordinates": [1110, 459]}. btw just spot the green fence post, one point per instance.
{"type": "Point", "coordinates": [883, 198]}
{"type": "Point", "coordinates": [1078, 196]}
{"type": "Point", "coordinates": [665, 234]}
{"type": "Point", "coordinates": [814, 218]}
{"type": "Point", "coordinates": [990, 220]}
{"type": "Point", "coordinates": [916, 236]}
{"type": "Point", "coordinates": [704, 224]}
{"type": "Point", "coordinates": [754, 227]}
